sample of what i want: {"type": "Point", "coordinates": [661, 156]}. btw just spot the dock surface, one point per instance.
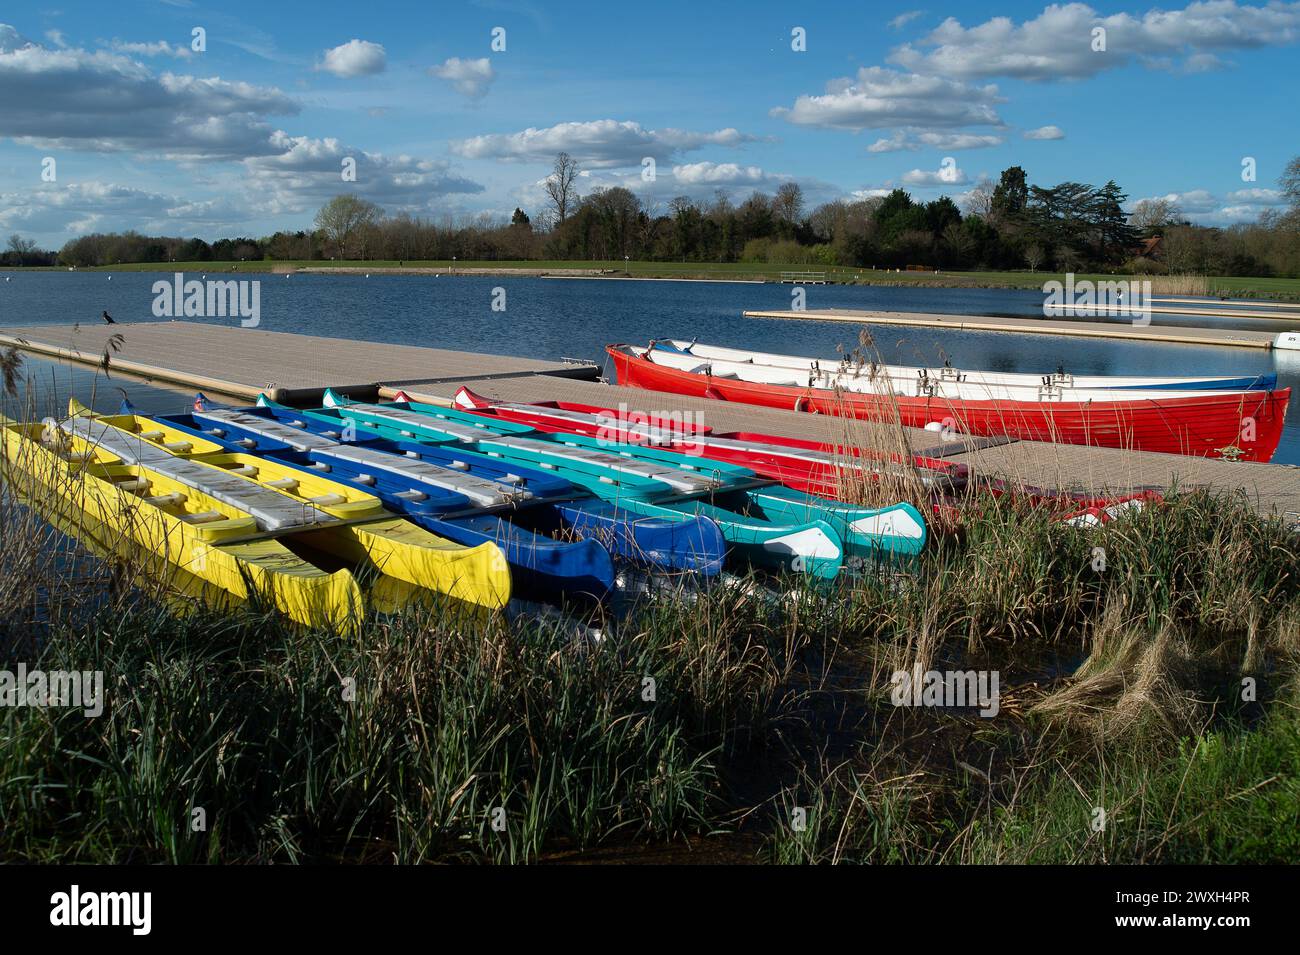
{"type": "Point", "coordinates": [1173, 334]}
{"type": "Point", "coordinates": [287, 367]}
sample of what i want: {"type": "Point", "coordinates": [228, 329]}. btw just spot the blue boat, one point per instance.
{"type": "Point", "coordinates": [554, 535]}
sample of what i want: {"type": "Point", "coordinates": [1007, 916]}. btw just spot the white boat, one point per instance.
{"type": "Point", "coordinates": [841, 368]}
{"type": "Point", "coordinates": [875, 380]}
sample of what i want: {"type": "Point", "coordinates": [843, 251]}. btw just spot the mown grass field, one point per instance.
{"type": "Point", "coordinates": [1232, 286]}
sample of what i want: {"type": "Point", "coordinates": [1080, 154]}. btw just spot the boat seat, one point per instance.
{"type": "Point", "coordinates": [687, 482]}
{"type": "Point", "coordinates": [272, 511]}
{"type": "Point", "coordinates": [266, 428]}
{"type": "Point", "coordinates": [413, 422]}
{"type": "Point", "coordinates": [480, 491]}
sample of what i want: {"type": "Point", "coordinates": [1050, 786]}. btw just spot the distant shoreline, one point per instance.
{"type": "Point", "coordinates": [1222, 287]}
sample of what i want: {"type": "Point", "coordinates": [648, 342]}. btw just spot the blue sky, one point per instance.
{"type": "Point", "coordinates": [249, 134]}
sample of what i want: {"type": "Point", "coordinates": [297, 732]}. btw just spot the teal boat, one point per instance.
{"type": "Point", "coordinates": [651, 484]}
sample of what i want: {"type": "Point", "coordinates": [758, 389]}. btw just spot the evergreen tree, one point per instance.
{"type": "Point", "coordinates": [1115, 237]}
{"type": "Point", "coordinates": [1010, 197]}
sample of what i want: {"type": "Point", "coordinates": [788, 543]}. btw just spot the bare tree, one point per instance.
{"type": "Point", "coordinates": [1290, 183]}
{"type": "Point", "coordinates": [979, 201]}
{"type": "Point", "coordinates": [1151, 215]}
{"type": "Point", "coordinates": [1034, 256]}
{"type": "Point", "coordinates": [788, 203]}
{"type": "Point", "coordinates": [346, 218]}
{"type": "Point", "coordinates": [560, 186]}
{"type": "Point", "coordinates": [21, 248]}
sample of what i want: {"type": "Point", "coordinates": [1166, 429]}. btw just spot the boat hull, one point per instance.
{"type": "Point", "coordinates": [1244, 425]}
{"type": "Point", "coordinates": [245, 569]}
{"type": "Point", "coordinates": [340, 519]}
{"type": "Point", "coordinates": [673, 542]}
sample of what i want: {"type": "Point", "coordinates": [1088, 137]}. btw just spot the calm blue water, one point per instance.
{"type": "Point", "coordinates": [550, 318]}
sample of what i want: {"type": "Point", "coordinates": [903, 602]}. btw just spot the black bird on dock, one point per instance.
{"type": "Point", "coordinates": [109, 318]}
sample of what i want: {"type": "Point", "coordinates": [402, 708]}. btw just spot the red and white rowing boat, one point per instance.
{"type": "Point", "coordinates": [826, 470]}
{"type": "Point", "coordinates": [1245, 425]}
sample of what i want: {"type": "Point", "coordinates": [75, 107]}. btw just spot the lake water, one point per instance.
{"type": "Point", "coordinates": [553, 318]}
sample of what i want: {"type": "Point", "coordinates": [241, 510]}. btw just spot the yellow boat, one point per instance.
{"type": "Point", "coordinates": [327, 516]}
{"type": "Point", "coordinates": [205, 538]}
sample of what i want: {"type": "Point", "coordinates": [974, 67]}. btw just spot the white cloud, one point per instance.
{"type": "Point", "coordinates": [158, 48]}
{"type": "Point", "coordinates": [1192, 202]}
{"type": "Point", "coordinates": [55, 211]}
{"type": "Point", "coordinates": [601, 143]}
{"type": "Point", "coordinates": [1262, 197]}
{"type": "Point", "coordinates": [895, 143]}
{"type": "Point", "coordinates": [469, 77]}
{"type": "Point", "coordinates": [306, 172]}
{"type": "Point", "coordinates": [1045, 132]}
{"type": "Point", "coordinates": [107, 102]}
{"type": "Point", "coordinates": [903, 19]}
{"type": "Point", "coordinates": [1059, 42]}
{"type": "Point", "coordinates": [912, 140]}
{"type": "Point", "coordinates": [1206, 208]}
{"type": "Point", "coordinates": [1204, 63]}
{"type": "Point", "coordinates": [355, 58]}
{"type": "Point", "coordinates": [946, 175]}
{"type": "Point", "coordinates": [700, 181]}
{"type": "Point", "coordinates": [713, 173]}
{"type": "Point", "coordinates": [958, 140]}
{"type": "Point", "coordinates": [879, 97]}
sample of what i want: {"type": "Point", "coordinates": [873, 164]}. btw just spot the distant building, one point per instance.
{"type": "Point", "coordinates": [1151, 248]}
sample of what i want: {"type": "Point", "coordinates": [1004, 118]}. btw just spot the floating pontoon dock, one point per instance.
{"type": "Point", "coordinates": [287, 367]}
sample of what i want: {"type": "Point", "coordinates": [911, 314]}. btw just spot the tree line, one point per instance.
{"type": "Point", "coordinates": [1010, 224]}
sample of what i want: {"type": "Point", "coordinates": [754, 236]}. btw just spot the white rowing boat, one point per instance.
{"type": "Point", "coordinates": [826, 371]}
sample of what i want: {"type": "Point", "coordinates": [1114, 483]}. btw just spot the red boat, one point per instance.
{"type": "Point", "coordinates": [1239, 425]}
{"type": "Point", "coordinates": [827, 470]}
